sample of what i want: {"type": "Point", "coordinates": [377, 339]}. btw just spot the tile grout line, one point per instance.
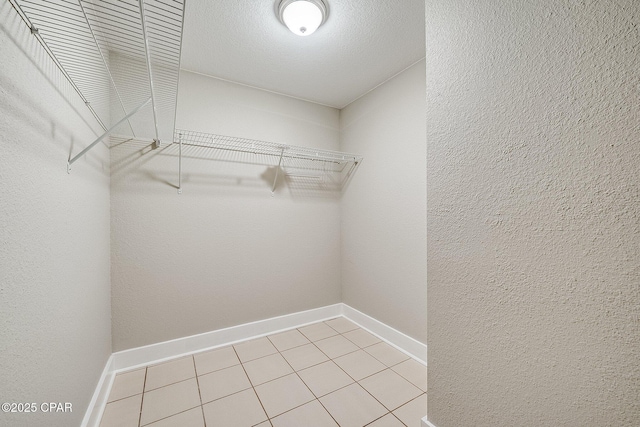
{"type": "Point", "coordinates": [252, 387]}
{"type": "Point", "coordinates": [358, 381]}
{"type": "Point", "coordinates": [332, 360]}
{"type": "Point", "coordinates": [305, 384]}
{"type": "Point", "coordinates": [172, 415]}
{"type": "Point", "coordinates": [388, 413]}
{"type": "Point", "coordinates": [167, 385]}
{"type": "Point", "coordinates": [144, 384]}
{"type": "Point", "coordinates": [195, 370]}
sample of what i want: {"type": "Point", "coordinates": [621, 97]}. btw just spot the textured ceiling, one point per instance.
{"type": "Point", "coordinates": [362, 44]}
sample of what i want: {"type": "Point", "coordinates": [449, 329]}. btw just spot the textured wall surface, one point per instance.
{"type": "Point", "coordinates": [224, 252]}
{"type": "Point", "coordinates": [533, 135]}
{"type": "Point", "coordinates": [384, 208]}
{"type": "Point", "coordinates": [55, 334]}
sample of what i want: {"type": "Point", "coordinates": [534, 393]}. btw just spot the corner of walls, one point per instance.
{"type": "Point", "coordinates": [383, 209]}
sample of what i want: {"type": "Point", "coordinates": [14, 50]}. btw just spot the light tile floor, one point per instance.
{"type": "Point", "coordinates": [327, 374]}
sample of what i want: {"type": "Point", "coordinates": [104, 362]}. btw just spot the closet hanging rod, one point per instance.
{"type": "Point", "coordinates": [36, 33]}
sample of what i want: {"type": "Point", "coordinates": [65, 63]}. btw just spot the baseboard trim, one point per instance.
{"type": "Point", "coordinates": [100, 395]}
{"type": "Point", "coordinates": [401, 341]}
{"type": "Point", "coordinates": [157, 353]}
{"type": "Point", "coordinates": [426, 423]}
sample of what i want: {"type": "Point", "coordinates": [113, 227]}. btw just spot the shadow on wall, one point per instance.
{"type": "Point", "coordinates": [206, 170]}
{"type": "Point", "coordinates": [26, 109]}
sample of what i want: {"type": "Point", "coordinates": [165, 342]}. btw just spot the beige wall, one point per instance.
{"type": "Point", "coordinates": [55, 334]}
{"type": "Point", "coordinates": [384, 208]}
{"type": "Point", "coordinates": [533, 213]}
{"type": "Point", "coordinates": [224, 252]}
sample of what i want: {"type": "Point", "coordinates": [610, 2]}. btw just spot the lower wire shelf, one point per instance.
{"type": "Point", "coordinates": [332, 169]}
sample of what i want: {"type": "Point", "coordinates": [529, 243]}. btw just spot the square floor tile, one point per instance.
{"type": "Point", "coordinates": [254, 349]}
{"type": "Point", "coordinates": [238, 410]}
{"type": "Point", "coordinates": [122, 413]}
{"type": "Point", "coordinates": [311, 414]}
{"type": "Point", "coordinates": [224, 382]}
{"type": "Point", "coordinates": [387, 421]}
{"type": "Point", "coordinates": [264, 424]}
{"type": "Point", "coordinates": [318, 331]}
{"type": "Point", "coordinates": [267, 368]}
{"type": "Point", "coordinates": [215, 359]}
{"type": "Point", "coordinates": [324, 378]}
{"type": "Point", "coordinates": [283, 394]}
{"type": "Point", "coordinates": [386, 354]}
{"type": "Point", "coordinates": [390, 389]}
{"type": "Point", "coordinates": [359, 364]}
{"type": "Point", "coordinates": [413, 371]}
{"type": "Point", "coordinates": [286, 340]}
{"type": "Point", "coordinates": [361, 338]}
{"type": "Point", "coordinates": [304, 356]}
{"type": "Point", "coordinates": [170, 400]}
{"type": "Point", "coordinates": [127, 384]}
{"type": "Point", "coordinates": [352, 406]}
{"type": "Point", "coordinates": [169, 372]}
{"type": "Point", "coordinates": [341, 324]}
{"type": "Point", "coordinates": [412, 412]}
{"type": "Point", "coordinates": [336, 346]}
{"type": "Point", "coordinates": [191, 418]}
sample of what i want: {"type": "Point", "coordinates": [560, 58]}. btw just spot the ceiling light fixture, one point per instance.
{"type": "Point", "coordinates": [302, 17]}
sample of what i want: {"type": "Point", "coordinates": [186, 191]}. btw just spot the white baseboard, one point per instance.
{"type": "Point", "coordinates": [100, 395]}
{"type": "Point", "coordinates": [156, 353]}
{"type": "Point", "coordinates": [426, 423]}
{"type": "Point", "coordinates": [402, 342]}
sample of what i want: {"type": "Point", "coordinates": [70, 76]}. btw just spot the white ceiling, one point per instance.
{"type": "Point", "coordinates": [362, 44]}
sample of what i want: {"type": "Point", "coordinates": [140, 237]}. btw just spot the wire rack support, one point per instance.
{"type": "Point", "coordinates": [147, 56]}
{"type": "Point", "coordinates": [115, 53]}
{"type": "Point", "coordinates": [101, 137]}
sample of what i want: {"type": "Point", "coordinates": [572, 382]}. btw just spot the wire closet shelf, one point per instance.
{"type": "Point", "coordinates": [294, 162]}
{"type": "Point", "coordinates": [122, 57]}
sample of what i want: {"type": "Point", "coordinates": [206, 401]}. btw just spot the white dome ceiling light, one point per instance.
{"type": "Point", "coordinates": [303, 17]}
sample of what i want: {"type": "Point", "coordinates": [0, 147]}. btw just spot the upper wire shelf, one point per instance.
{"type": "Point", "coordinates": [329, 167]}
{"type": "Point", "coordinates": [121, 56]}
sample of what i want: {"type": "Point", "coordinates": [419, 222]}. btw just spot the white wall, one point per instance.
{"type": "Point", "coordinates": [55, 334]}
{"type": "Point", "coordinates": [384, 208]}
{"type": "Point", "coordinates": [534, 213]}
{"type": "Point", "coordinates": [224, 252]}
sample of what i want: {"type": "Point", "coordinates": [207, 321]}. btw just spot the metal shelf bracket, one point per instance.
{"type": "Point", "coordinates": [107, 132]}
{"type": "Point", "coordinates": [275, 180]}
